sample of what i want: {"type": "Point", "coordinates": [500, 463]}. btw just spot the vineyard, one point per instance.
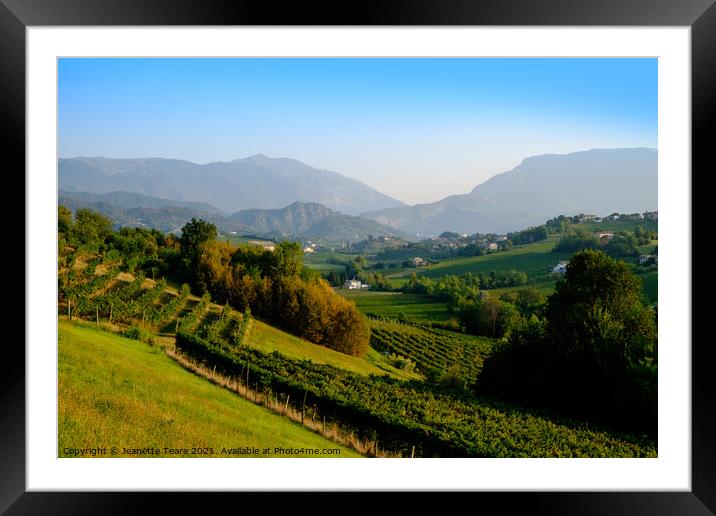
{"type": "Point", "coordinates": [406, 417]}
{"type": "Point", "coordinates": [100, 291]}
{"type": "Point", "coordinates": [431, 348]}
{"type": "Point", "coordinates": [144, 309]}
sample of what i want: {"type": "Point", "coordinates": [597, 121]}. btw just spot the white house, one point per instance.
{"type": "Point", "coordinates": [308, 249]}
{"type": "Point", "coordinates": [352, 284]}
{"type": "Point", "coordinates": [492, 246]}
{"type": "Point", "coordinates": [560, 268]}
{"type": "Point", "coordinates": [418, 261]}
{"type": "Point", "coordinates": [605, 234]}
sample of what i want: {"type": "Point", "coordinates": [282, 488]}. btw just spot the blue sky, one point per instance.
{"type": "Point", "coordinates": [416, 129]}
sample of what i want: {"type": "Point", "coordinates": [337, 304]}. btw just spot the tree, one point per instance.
{"type": "Point", "coordinates": [91, 228]}
{"type": "Point", "coordinates": [287, 259]}
{"type": "Point", "coordinates": [194, 235]}
{"type": "Point", "coordinates": [597, 310]}
{"type": "Point", "coordinates": [64, 221]}
{"type": "Point", "coordinates": [622, 244]}
{"type": "Point", "coordinates": [595, 354]}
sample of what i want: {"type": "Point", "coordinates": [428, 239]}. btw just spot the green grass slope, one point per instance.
{"type": "Point", "coordinates": [114, 391]}
{"type": "Point", "coordinates": [415, 307]}
{"type": "Point", "coordinates": [534, 259]}
{"type": "Point", "coordinates": [269, 339]}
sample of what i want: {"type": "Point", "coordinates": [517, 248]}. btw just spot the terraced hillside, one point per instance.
{"type": "Point", "coordinates": [161, 309]}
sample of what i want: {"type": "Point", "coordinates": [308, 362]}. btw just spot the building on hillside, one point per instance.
{"type": "Point", "coordinates": [492, 246]}
{"type": "Point", "coordinates": [308, 249]}
{"type": "Point", "coordinates": [353, 284]}
{"type": "Point", "coordinates": [560, 268]}
{"type": "Point", "coordinates": [586, 217]}
{"type": "Point", "coordinates": [502, 238]}
{"type": "Point", "coordinates": [418, 261]}
{"type": "Point", "coordinates": [608, 235]}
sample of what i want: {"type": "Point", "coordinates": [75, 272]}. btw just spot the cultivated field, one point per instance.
{"type": "Point", "coordinates": [394, 305]}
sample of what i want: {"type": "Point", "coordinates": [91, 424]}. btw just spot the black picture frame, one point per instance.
{"type": "Point", "coordinates": [700, 15]}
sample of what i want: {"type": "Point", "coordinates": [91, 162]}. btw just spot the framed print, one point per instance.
{"type": "Point", "coordinates": [219, 292]}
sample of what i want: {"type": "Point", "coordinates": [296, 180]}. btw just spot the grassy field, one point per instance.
{"type": "Point", "coordinates": [415, 307]}
{"type": "Point", "coordinates": [237, 240]}
{"type": "Point", "coordinates": [318, 261]}
{"type": "Point", "coordinates": [268, 339]}
{"type": "Point", "coordinates": [618, 225]}
{"type": "Point", "coordinates": [534, 259]}
{"type": "Point", "coordinates": [114, 391]}
{"type": "Point", "coordinates": [545, 288]}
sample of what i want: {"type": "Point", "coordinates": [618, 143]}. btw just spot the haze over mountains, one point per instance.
{"type": "Point", "coordinates": [283, 197]}
{"type": "Point", "coordinates": [254, 182]}
{"type": "Point", "coordinates": [298, 220]}
{"type": "Point", "coordinates": [599, 181]}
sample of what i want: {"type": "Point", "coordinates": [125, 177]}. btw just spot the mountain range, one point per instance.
{"type": "Point", "coordinates": [285, 198]}
{"type": "Point", "coordinates": [598, 181]}
{"type": "Point", "coordinates": [254, 182]}
{"type": "Point", "coordinates": [298, 220]}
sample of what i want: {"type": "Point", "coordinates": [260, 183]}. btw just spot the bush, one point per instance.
{"type": "Point", "coordinates": [137, 333]}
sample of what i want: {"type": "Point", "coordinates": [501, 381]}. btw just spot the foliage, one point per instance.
{"type": "Point", "coordinates": [403, 415]}
{"type": "Point", "coordinates": [194, 235]}
{"type": "Point", "coordinates": [595, 354]}
{"type": "Point", "coordinates": [270, 285]}
{"type": "Point", "coordinates": [137, 333]}
{"type": "Point", "coordinates": [577, 241]}
{"type": "Point", "coordinates": [528, 236]}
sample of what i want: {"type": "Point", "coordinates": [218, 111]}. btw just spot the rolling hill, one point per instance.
{"type": "Point", "coordinates": [598, 181]}
{"type": "Point", "coordinates": [310, 220]}
{"type": "Point", "coordinates": [298, 220]}
{"type": "Point", "coordinates": [254, 182]}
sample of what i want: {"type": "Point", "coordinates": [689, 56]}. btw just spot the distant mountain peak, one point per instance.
{"type": "Point", "coordinates": [599, 181]}
{"type": "Point", "coordinates": [255, 182]}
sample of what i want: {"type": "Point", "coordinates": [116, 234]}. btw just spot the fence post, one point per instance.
{"type": "Point", "coordinates": [303, 407]}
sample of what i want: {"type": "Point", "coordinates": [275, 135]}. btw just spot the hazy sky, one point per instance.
{"type": "Point", "coordinates": [416, 129]}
